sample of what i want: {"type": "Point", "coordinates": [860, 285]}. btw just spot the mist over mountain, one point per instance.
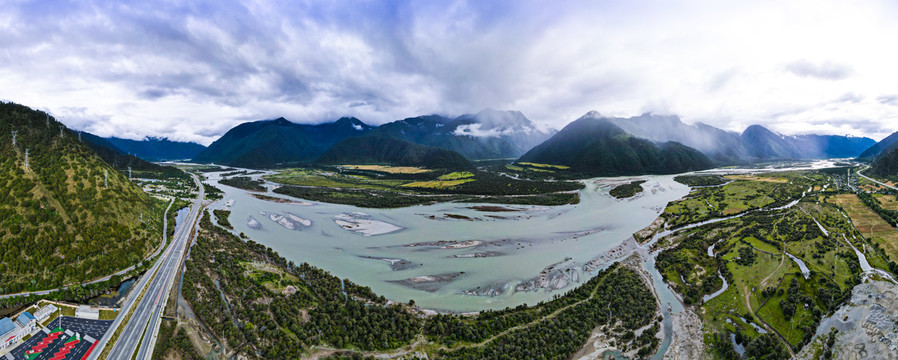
{"type": "Point", "coordinates": [489, 134]}
{"type": "Point", "coordinates": [719, 145]}
{"type": "Point", "coordinates": [595, 146]}
{"type": "Point", "coordinates": [756, 143]}
{"type": "Point", "coordinates": [157, 149]}
{"type": "Point", "coordinates": [764, 144]}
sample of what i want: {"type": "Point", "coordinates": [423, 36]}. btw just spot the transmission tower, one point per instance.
{"type": "Point", "coordinates": [14, 137]}
{"type": "Point", "coordinates": [79, 135]}
{"type": "Point", "coordinates": [26, 158]}
{"type": "Point", "coordinates": [129, 173]}
{"type": "Point", "coordinates": [60, 131]}
{"type": "Point", "coordinates": [106, 178]}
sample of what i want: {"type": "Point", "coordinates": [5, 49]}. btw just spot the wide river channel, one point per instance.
{"type": "Point", "coordinates": [489, 255]}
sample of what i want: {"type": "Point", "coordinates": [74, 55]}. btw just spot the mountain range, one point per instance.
{"type": "Point", "coordinates": [493, 134]}
{"type": "Point", "coordinates": [489, 134]}
{"type": "Point", "coordinates": [122, 161]}
{"type": "Point", "coordinates": [157, 149]}
{"type": "Point", "coordinates": [595, 146]}
{"type": "Point", "coordinates": [278, 142]}
{"type": "Point", "coordinates": [755, 143]}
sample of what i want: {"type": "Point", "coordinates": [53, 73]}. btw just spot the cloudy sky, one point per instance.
{"type": "Point", "coordinates": [190, 70]}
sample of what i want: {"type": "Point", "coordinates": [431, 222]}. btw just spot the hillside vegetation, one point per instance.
{"type": "Point", "coordinates": [385, 150]}
{"type": "Point", "coordinates": [59, 222]}
{"type": "Point", "coordinates": [886, 164]}
{"type": "Point", "coordinates": [593, 146]}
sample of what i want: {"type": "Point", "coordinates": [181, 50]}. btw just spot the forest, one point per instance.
{"type": "Point", "coordinates": [627, 190]}
{"type": "Point", "coordinates": [67, 217]}
{"type": "Point", "coordinates": [268, 307]}
{"type": "Point", "coordinates": [244, 182]}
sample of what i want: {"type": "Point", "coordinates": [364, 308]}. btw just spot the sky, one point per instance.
{"type": "Point", "coordinates": [191, 70]}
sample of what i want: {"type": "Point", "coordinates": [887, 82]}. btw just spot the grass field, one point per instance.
{"type": "Point", "coordinates": [745, 305]}
{"type": "Point", "coordinates": [389, 169]}
{"type": "Point", "coordinates": [732, 198]}
{"type": "Point", "coordinates": [780, 180]}
{"type": "Point", "coordinates": [869, 223]}
{"type": "Point", "coordinates": [887, 202]}
{"type": "Point", "coordinates": [312, 177]}
{"type": "Point", "coordinates": [437, 184]}
{"type": "Point", "coordinates": [270, 276]}
{"type": "Point", "coordinates": [545, 166]}
{"type": "Point", "coordinates": [457, 175]}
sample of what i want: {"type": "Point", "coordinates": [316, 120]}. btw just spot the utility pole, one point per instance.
{"type": "Point", "coordinates": [14, 137]}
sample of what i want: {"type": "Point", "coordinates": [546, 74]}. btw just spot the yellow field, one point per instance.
{"type": "Point", "coordinates": [437, 184]}
{"type": "Point", "coordinates": [457, 175]}
{"type": "Point", "coordinates": [887, 202]}
{"type": "Point", "coordinates": [757, 178]}
{"type": "Point", "coordinates": [869, 223]}
{"type": "Point", "coordinates": [389, 169]}
{"type": "Point", "coordinates": [550, 166]}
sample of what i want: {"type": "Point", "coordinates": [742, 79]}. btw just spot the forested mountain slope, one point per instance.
{"type": "Point", "coordinates": [594, 146]}
{"type": "Point", "coordinates": [390, 151]}
{"type": "Point", "coordinates": [60, 222]}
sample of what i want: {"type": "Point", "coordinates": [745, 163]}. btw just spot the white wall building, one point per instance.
{"type": "Point", "coordinates": [45, 312]}
{"type": "Point", "coordinates": [87, 312]}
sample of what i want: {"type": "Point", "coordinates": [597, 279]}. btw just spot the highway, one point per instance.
{"type": "Point", "coordinates": [140, 331]}
{"type": "Point", "coordinates": [107, 277]}
{"type": "Point", "coordinates": [865, 177]}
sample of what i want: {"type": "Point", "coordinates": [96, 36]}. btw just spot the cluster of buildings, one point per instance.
{"type": "Point", "coordinates": [12, 331]}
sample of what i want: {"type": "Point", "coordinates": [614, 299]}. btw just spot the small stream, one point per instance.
{"type": "Point", "coordinates": [804, 268]}
{"type": "Point", "coordinates": [718, 292]}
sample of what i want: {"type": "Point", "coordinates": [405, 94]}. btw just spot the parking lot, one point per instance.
{"type": "Point", "coordinates": [90, 331]}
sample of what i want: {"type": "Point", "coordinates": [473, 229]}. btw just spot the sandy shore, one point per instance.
{"type": "Point", "coordinates": [362, 223]}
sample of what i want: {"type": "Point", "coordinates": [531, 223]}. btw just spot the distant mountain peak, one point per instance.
{"type": "Point", "coordinates": [352, 122]}
{"type": "Point", "coordinates": [592, 114]}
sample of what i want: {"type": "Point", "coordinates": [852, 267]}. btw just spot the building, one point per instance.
{"type": "Point", "coordinates": [45, 312]}
{"type": "Point", "coordinates": [10, 332]}
{"type": "Point", "coordinates": [87, 312]}
{"type": "Point", "coordinates": [27, 321]}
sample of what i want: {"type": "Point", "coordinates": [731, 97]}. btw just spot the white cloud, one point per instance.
{"type": "Point", "coordinates": [191, 71]}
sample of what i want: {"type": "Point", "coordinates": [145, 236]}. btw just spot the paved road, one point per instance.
{"type": "Point", "coordinates": [865, 177]}
{"type": "Point", "coordinates": [140, 331]}
{"type": "Point", "coordinates": [158, 249]}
